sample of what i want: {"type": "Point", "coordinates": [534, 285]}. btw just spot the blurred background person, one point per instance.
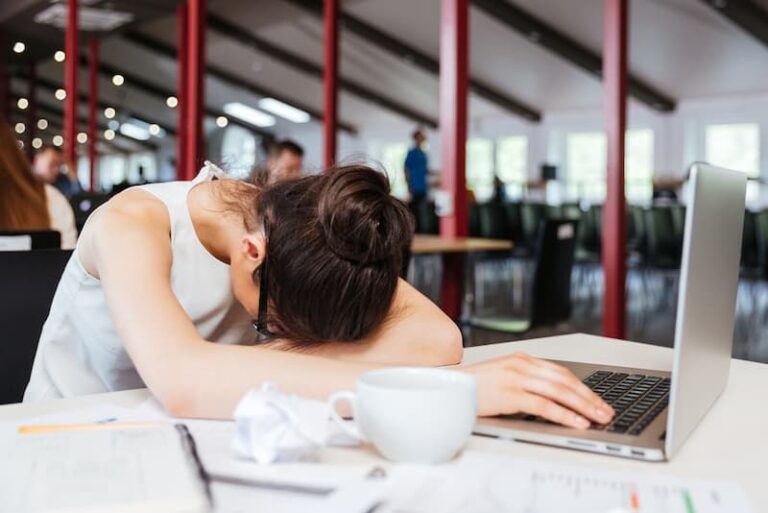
{"type": "Point", "coordinates": [285, 161]}
{"type": "Point", "coordinates": [26, 202]}
{"type": "Point", "coordinates": [50, 167]}
{"type": "Point", "coordinates": [416, 174]}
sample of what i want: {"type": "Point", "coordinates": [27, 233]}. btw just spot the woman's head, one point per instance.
{"type": "Point", "coordinates": [22, 197]}
{"type": "Point", "coordinates": [333, 253]}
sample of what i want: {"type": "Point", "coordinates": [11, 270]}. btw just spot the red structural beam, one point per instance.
{"type": "Point", "coordinates": [93, 99]}
{"type": "Point", "coordinates": [454, 57]}
{"type": "Point", "coordinates": [31, 109]}
{"type": "Point", "coordinates": [72, 50]}
{"type": "Point", "coordinates": [195, 88]}
{"type": "Point", "coordinates": [330, 80]}
{"type": "Point", "coordinates": [614, 214]}
{"type": "Point", "coordinates": [182, 15]}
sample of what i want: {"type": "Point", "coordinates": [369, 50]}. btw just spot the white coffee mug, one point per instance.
{"type": "Point", "coordinates": [411, 414]}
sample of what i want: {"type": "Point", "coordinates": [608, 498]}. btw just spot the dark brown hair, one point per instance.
{"type": "Point", "coordinates": [23, 204]}
{"type": "Point", "coordinates": [334, 253]}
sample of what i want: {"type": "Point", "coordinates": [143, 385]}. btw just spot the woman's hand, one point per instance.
{"type": "Point", "coordinates": [520, 383]}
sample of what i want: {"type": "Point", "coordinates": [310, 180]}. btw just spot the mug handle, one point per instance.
{"type": "Point", "coordinates": [351, 430]}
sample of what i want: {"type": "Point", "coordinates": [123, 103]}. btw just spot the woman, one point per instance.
{"type": "Point", "coordinates": [162, 270]}
{"type": "Point", "coordinates": [27, 204]}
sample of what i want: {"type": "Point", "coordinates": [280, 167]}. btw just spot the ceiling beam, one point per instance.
{"type": "Point", "coordinates": [409, 53]}
{"type": "Point", "coordinates": [47, 110]}
{"type": "Point", "coordinates": [134, 81]}
{"type": "Point", "coordinates": [539, 32]}
{"type": "Point", "coordinates": [288, 58]}
{"type": "Point", "coordinates": [752, 18]}
{"type": "Point", "coordinates": [161, 48]}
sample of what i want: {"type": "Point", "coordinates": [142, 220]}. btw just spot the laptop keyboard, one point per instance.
{"type": "Point", "coordinates": [637, 399]}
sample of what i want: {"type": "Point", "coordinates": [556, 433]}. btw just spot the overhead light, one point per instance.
{"type": "Point", "coordinates": [222, 121]}
{"type": "Point", "coordinates": [60, 94]}
{"type": "Point", "coordinates": [20, 128]}
{"type": "Point", "coordinates": [57, 140]}
{"type": "Point", "coordinates": [118, 80]}
{"type": "Point", "coordinates": [21, 144]}
{"type": "Point", "coordinates": [249, 114]}
{"type": "Point", "coordinates": [154, 129]}
{"type": "Point", "coordinates": [42, 123]}
{"type": "Point", "coordinates": [113, 124]}
{"type": "Point", "coordinates": [109, 113]}
{"type": "Point", "coordinates": [22, 103]}
{"type": "Point", "coordinates": [59, 56]}
{"type": "Point", "coordinates": [284, 110]}
{"type": "Point", "coordinates": [19, 47]}
{"type": "Point", "coordinates": [109, 134]}
{"type": "Point", "coordinates": [37, 143]}
{"type": "Point", "coordinates": [82, 137]}
{"type": "Point", "coordinates": [172, 101]}
{"type": "Point", "coordinates": [134, 131]}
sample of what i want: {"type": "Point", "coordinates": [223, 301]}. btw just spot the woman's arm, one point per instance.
{"type": "Point", "coordinates": [416, 332]}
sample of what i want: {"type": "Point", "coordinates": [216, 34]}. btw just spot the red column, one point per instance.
{"type": "Point", "coordinates": [72, 50]}
{"type": "Point", "coordinates": [31, 109]}
{"type": "Point", "coordinates": [454, 56]}
{"type": "Point", "coordinates": [330, 80]}
{"type": "Point", "coordinates": [93, 97]}
{"type": "Point", "coordinates": [195, 90]}
{"type": "Point", "coordinates": [614, 212]}
{"type": "Point", "coordinates": [181, 90]}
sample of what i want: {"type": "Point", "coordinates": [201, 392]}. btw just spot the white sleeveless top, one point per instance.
{"type": "Point", "coordinates": [80, 351]}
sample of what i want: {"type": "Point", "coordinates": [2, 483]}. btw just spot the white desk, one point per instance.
{"type": "Point", "coordinates": [714, 450]}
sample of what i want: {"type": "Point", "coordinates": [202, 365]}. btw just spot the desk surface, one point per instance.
{"type": "Point", "coordinates": [423, 244]}
{"type": "Point", "coordinates": [714, 450]}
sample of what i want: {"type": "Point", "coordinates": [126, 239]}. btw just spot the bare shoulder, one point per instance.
{"type": "Point", "coordinates": [130, 212]}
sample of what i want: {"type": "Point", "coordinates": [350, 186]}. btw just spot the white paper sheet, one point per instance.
{"type": "Point", "coordinates": [484, 483]}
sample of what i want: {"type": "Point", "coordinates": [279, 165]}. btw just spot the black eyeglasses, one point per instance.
{"type": "Point", "coordinates": [261, 323]}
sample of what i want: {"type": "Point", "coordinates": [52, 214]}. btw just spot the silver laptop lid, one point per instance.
{"type": "Point", "coordinates": [706, 309]}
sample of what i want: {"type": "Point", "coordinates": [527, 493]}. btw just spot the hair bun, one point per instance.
{"type": "Point", "coordinates": [361, 221]}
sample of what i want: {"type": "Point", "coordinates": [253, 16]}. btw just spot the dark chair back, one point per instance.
{"type": "Point", "coordinates": [41, 239]}
{"type": "Point", "coordinates": [761, 232]}
{"type": "Point", "coordinates": [663, 243]}
{"type": "Point", "coordinates": [29, 280]}
{"type": "Point", "coordinates": [84, 204]}
{"type": "Point", "coordinates": [491, 218]}
{"type": "Point", "coordinates": [531, 215]}
{"type": "Point", "coordinates": [551, 292]}
{"type": "Point", "coordinates": [749, 258]}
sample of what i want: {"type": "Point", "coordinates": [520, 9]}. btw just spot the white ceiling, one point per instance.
{"type": "Point", "coordinates": [681, 47]}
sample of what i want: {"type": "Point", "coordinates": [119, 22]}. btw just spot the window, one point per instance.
{"type": "Point", "coordinates": [512, 163]}
{"type": "Point", "coordinates": [239, 151]}
{"type": "Point", "coordinates": [586, 164]}
{"type": "Point", "coordinates": [735, 146]}
{"type": "Point", "coordinates": [393, 160]}
{"type": "Point", "coordinates": [480, 168]}
{"type": "Point", "coordinates": [638, 165]}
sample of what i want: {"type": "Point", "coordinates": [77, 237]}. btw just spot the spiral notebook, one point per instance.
{"type": "Point", "coordinates": [126, 468]}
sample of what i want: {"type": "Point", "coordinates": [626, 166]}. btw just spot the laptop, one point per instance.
{"type": "Point", "coordinates": [657, 411]}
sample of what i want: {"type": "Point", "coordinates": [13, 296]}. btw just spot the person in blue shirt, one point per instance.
{"type": "Point", "coordinates": [416, 173]}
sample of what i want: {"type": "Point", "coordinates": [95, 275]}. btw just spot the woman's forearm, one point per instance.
{"type": "Point", "coordinates": [208, 380]}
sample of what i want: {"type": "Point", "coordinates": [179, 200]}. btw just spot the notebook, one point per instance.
{"type": "Point", "coordinates": [110, 468]}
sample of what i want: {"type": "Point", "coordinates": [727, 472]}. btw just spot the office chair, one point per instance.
{"type": "Point", "coordinates": [29, 281]}
{"type": "Point", "coordinates": [550, 289]}
{"type": "Point", "coordinates": [41, 239]}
